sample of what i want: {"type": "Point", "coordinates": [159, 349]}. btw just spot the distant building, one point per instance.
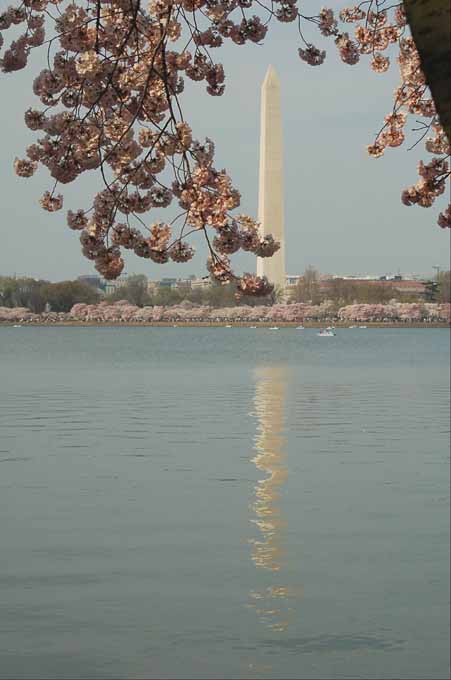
{"type": "Point", "coordinates": [152, 286]}
{"type": "Point", "coordinates": [291, 281]}
{"type": "Point", "coordinates": [183, 284]}
{"type": "Point", "coordinates": [204, 282]}
{"type": "Point", "coordinates": [351, 277]}
{"type": "Point", "coordinates": [412, 287]}
{"type": "Point", "coordinates": [111, 286]}
{"type": "Point", "coordinates": [167, 282]}
{"type": "Point", "coordinates": [92, 280]}
{"type": "Point", "coordinates": [396, 282]}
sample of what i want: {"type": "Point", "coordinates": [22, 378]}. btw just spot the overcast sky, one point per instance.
{"type": "Point", "coordinates": [343, 212]}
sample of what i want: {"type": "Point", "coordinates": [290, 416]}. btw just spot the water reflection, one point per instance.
{"type": "Point", "coordinates": [269, 549]}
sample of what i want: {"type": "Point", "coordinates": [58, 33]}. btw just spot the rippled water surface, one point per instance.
{"type": "Point", "coordinates": [215, 503]}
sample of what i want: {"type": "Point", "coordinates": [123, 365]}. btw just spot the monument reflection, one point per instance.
{"type": "Point", "coordinates": [269, 549]}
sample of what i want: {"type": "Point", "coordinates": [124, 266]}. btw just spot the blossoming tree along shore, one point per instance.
{"type": "Point", "coordinates": [112, 90]}
{"type": "Point", "coordinates": [124, 312]}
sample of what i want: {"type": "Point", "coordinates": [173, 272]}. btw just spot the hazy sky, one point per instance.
{"type": "Point", "coordinates": [343, 212]}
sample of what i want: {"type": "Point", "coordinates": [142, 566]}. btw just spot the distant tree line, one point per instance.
{"type": "Point", "coordinates": [444, 286]}
{"type": "Point", "coordinates": [346, 291]}
{"type": "Point", "coordinates": [41, 295]}
{"type": "Point", "coordinates": [135, 291]}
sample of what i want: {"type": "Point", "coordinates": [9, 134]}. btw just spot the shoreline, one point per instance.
{"type": "Point", "coordinates": [224, 324]}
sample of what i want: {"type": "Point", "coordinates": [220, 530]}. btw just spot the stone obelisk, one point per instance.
{"type": "Point", "coordinates": [270, 197]}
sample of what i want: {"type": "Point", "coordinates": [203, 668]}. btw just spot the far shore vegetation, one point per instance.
{"type": "Point", "coordinates": [39, 295]}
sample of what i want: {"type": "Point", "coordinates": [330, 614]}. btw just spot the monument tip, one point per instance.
{"type": "Point", "coordinates": [271, 77]}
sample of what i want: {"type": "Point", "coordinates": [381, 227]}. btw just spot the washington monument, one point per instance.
{"type": "Point", "coordinates": [270, 196]}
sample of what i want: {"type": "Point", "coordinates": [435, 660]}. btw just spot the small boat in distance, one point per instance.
{"type": "Point", "coordinates": [363, 326]}
{"type": "Point", "coordinates": [17, 325]}
{"type": "Point", "coordinates": [228, 326]}
{"type": "Point", "coordinates": [299, 328]}
{"type": "Point", "coordinates": [326, 333]}
{"type": "Point", "coordinates": [274, 328]}
{"type": "Point", "coordinates": [252, 326]}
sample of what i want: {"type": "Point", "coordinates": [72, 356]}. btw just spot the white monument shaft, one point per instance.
{"type": "Point", "coordinates": [270, 197]}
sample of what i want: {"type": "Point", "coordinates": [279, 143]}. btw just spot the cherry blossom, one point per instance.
{"type": "Point", "coordinates": [124, 312]}
{"type": "Point", "coordinates": [110, 100]}
{"type": "Point", "coordinates": [25, 168]}
{"type": "Point", "coordinates": [312, 55]}
{"type": "Point", "coordinates": [444, 218]}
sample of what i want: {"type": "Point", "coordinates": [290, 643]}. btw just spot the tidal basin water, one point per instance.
{"type": "Point", "coordinates": [224, 503]}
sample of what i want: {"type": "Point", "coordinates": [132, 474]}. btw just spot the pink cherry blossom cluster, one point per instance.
{"type": "Point", "coordinates": [397, 311]}
{"type": "Point", "coordinates": [294, 313]}
{"type": "Point", "coordinates": [123, 311]}
{"type": "Point", "coordinates": [431, 184]}
{"type": "Point", "coordinates": [376, 30]}
{"type": "Point", "coordinates": [444, 218]}
{"type": "Point", "coordinates": [111, 102]}
{"type": "Point", "coordinates": [12, 314]}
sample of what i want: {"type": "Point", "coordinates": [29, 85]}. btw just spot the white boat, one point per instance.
{"type": "Point", "coordinates": [326, 333]}
{"type": "Point", "coordinates": [352, 326]}
{"type": "Point", "coordinates": [363, 326]}
{"type": "Point", "coordinates": [252, 326]}
{"type": "Point", "coordinates": [274, 328]}
{"type": "Point", "coordinates": [17, 325]}
{"type": "Point", "coordinates": [228, 326]}
{"type": "Point", "coordinates": [299, 328]}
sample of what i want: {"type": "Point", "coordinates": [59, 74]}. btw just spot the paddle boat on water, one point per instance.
{"type": "Point", "coordinates": [299, 328]}
{"type": "Point", "coordinates": [274, 328]}
{"type": "Point", "coordinates": [326, 333]}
